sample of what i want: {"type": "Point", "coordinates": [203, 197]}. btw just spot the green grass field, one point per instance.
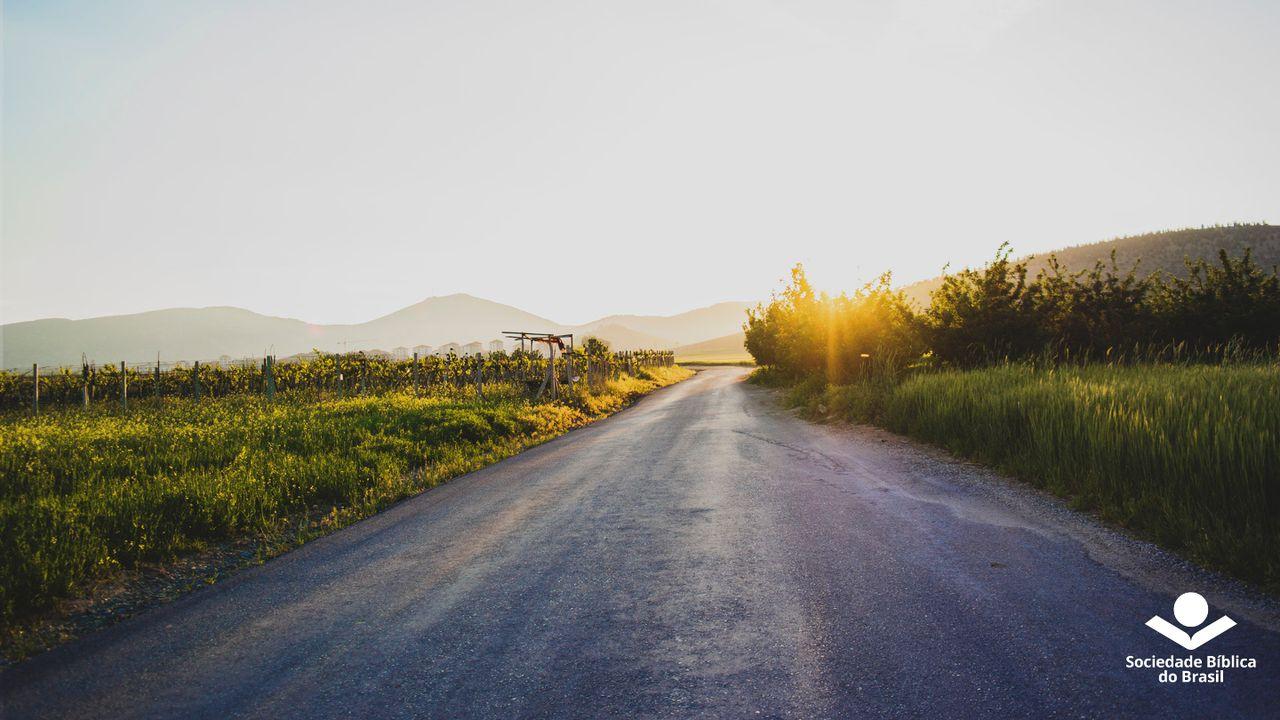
{"type": "Point", "coordinates": [84, 494]}
{"type": "Point", "coordinates": [1187, 455]}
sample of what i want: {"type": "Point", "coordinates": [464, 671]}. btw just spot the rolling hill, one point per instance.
{"type": "Point", "coordinates": [621, 337]}
{"type": "Point", "coordinates": [209, 333]}
{"type": "Point", "coordinates": [725, 349]}
{"type": "Point", "coordinates": [1160, 251]}
{"type": "Point", "coordinates": [683, 329]}
{"type": "Point", "coordinates": [176, 334]}
{"type": "Point", "coordinates": [450, 318]}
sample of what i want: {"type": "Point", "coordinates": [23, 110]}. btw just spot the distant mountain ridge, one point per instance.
{"type": "Point", "coordinates": [684, 329]}
{"type": "Point", "coordinates": [209, 333]}
{"type": "Point", "coordinates": [728, 348]}
{"type": "Point", "coordinates": [1163, 251]}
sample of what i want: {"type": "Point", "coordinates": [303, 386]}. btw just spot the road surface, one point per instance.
{"type": "Point", "coordinates": [703, 553]}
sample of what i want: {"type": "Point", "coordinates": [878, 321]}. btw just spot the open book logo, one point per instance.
{"type": "Point", "coordinates": [1190, 609]}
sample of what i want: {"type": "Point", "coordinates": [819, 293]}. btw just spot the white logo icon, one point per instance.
{"type": "Point", "coordinates": [1190, 609]}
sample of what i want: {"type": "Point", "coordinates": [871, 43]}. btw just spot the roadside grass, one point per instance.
{"type": "Point", "coordinates": [85, 494]}
{"type": "Point", "coordinates": [1185, 455]}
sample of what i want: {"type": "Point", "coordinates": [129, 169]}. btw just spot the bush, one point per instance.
{"type": "Point", "coordinates": [805, 334]}
{"type": "Point", "coordinates": [984, 315]}
{"type": "Point", "coordinates": [1234, 302]}
{"type": "Point", "coordinates": [996, 313]}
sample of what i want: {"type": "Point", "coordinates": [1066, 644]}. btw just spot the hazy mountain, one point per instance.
{"type": "Point", "coordinates": [621, 337]}
{"type": "Point", "coordinates": [1162, 251]}
{"type": "Point", "coordinates": [451, 318]}
{"type": "Point", "coordinates": [728, 348]}
{"type": "Point", "coordinates": [208, 333]}
{"type": "Point", "coordinates": [176, 334]}
{"type": "Point", "coordinates": [689, 327]}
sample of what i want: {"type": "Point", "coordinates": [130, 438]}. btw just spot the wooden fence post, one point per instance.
{"type": "Point", "coordinates": [156, 391]}
{"type": "Point", "coordinates": [35, 396]}
{"type": "Point", "coordinates": [124, 387]}
{"type": "Point", "coordinates": [479, 376]}
{"type": "Point", "coordinates": [84, 371]}
{"type": "Point", "coordinates": [549, 378]}
{"type": "Point", "coordinates": [271, 377]}
{"type": "Point", "coordinates": [195, 380]}
{"type": "Point", "coordinates": [551, 367]}
{"type": "Point", "coordinates": [414, 372]}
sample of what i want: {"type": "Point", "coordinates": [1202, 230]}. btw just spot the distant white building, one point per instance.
{"type": "Point", "coordinates": [400, 353]}
{"type": "Point", "coordinates": [422, 350]}
{"type": "Point", "coordinates": [447, 348]}
{"type": "Point", "coordinates": [472, 348]}
{"type": "Point", "coordinates": [496, 346]}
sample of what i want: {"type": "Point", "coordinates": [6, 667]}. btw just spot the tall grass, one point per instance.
{"type": "Point", "coordinates": [1187, 455]}
{"type": "Point", "coordinates": [1155, 437]}
{"type": "Point", "coordinates": [83, 493]}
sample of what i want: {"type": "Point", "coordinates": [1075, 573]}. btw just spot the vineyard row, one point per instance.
{"type": "Point", "coordinates": [354, 373]}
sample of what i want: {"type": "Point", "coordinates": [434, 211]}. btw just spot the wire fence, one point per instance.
{"type": "Point", "coordinates": [330, 375]}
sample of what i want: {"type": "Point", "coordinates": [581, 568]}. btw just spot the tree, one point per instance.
{"type": "Point", "coordinates": [1235, 301]}
{"type": "Point", "coordinates": [1094, 311]}
{"type": "Point", "coordinates": [984, 315]}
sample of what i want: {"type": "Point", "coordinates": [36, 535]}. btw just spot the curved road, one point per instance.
{"type": "Point", "coordinates": [703, 553]}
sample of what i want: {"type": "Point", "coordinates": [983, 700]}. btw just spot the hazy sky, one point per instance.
{"type": "Point", "coordinates": [336, 161]}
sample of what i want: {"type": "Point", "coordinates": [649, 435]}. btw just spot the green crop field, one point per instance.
{"type": "Point", "coordinates": [86, 493]}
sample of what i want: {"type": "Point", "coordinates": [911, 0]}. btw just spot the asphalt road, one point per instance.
{"type": "Point", "coordinates": [703, 553]}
